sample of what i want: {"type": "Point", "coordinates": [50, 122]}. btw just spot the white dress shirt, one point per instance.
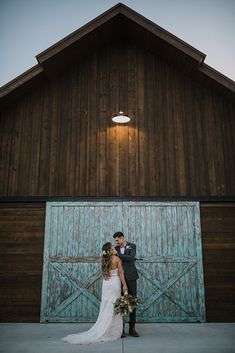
{"type": "Point", "coordinates": [122, 249]}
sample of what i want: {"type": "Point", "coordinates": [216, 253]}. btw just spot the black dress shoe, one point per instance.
{"type": "Point", "coordinates": [123, 334]}
{"type": "Point", "coordinates": [132, 332]}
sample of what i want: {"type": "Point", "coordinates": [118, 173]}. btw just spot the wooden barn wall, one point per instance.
{"type": "Point", "coordinates": [218, 245]}
{"type": "Point", "coordinates": [59, 138]}
{"type": "Point", "coordinates": [21, 260]}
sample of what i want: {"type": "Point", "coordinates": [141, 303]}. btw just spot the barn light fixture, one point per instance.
{"type": "Point", "coordinates": [121, 118]}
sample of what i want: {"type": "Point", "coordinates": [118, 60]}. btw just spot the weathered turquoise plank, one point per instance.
{"type": "Point", "coordinates": [47, 238]}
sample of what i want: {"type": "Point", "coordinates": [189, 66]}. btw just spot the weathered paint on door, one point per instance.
{"type": "Point", "coordinates": [168, 242]}
{"type": "Point", "coordinates": [71, 272]}
{"type": "Point", "coordinates": [168, 236]}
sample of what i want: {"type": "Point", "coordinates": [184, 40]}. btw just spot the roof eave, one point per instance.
{"type": "Point", "coordinates": [20, 80]}
{"type": "Point", "coordinates": [217, 76]}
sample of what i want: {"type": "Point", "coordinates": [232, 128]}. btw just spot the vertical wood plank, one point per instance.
{"type": "Point", "coordinates": [133, 171]}
{"type": "Point", "coordinates": [141, 125]}
{"type": "Point", "coordinates": [113, 151]}
{"type": "Point", "coordinates": [102, 130]}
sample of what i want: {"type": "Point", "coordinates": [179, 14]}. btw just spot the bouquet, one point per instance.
{"type": "Point", "coordinates": [126, 304]}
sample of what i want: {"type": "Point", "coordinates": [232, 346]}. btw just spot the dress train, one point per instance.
{"type": "Point", "coordinates": [108, 326]}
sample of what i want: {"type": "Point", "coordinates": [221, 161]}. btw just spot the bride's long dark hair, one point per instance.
{"type": "Point", "coordinates": [106, 259]}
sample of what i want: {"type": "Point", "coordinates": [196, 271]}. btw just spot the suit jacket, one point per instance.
{"type": "Point", "coordinates": [128, 261]}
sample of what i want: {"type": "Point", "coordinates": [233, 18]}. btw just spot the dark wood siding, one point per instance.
{"type": "Point", "coordinates": [21, 240]}
{"type": "Point", "coordinates": [218, 240]}
{"type": "Point", "coordinates": [59, 138]}
{"type": "Point", "coordinates": [21, 261]}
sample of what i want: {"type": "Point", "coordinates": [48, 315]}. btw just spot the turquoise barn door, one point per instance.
{"type": "Point", "coordinates": [74, 235]}
{"type": "Point", "coordinates": [168, 239]}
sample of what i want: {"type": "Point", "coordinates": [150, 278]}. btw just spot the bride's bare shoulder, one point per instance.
{"type": "Point", "coordinates": [115, 260]}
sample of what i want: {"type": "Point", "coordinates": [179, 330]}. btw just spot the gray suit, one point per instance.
{"type": "Point", "coordinates": [128, 261]}
{"type": "Point", "coordinates": [130, 272]}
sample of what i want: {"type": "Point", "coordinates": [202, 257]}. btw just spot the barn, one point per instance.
{"type": "Point", "coordinates": [70, 176]}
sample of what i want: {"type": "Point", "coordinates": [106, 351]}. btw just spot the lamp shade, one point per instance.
{"type": "Point", "coordinates": [121, 118]}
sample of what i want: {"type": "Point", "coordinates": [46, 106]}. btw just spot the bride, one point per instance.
{"type": "Point", "coordinates": [108, 326]}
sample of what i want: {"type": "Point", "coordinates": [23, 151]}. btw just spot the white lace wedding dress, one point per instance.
{"type": "Point", "coordinates": [108, 326]}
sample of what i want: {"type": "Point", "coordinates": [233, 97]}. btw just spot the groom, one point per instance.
{"type": "Point", "coordinates": [126, 251]}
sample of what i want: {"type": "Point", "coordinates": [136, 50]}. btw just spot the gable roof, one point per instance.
{"type": "Point", "coordinates": [120, 21]}
{"type": "Point", "coordinates": [129, 14]}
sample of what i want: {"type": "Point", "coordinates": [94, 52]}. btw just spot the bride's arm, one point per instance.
{"type": "Point", "coordinates": [121, 275]}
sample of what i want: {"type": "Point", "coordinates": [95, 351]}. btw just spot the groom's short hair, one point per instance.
{"type": "Point", "coordinates": [118, 235]}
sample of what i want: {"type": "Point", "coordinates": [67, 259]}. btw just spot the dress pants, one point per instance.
{"type": "Point", "coordinates": [132, 289]}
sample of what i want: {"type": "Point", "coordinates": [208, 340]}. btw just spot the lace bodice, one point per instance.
{"type": "Point", "coordinates": [114, 272]}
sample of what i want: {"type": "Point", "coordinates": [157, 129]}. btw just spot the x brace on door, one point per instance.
{"type": "Point", "coordinates": [80, 288]}
{"type": "Point", "coordinates": [165, 289]}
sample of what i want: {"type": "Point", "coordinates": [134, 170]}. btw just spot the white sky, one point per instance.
{"type": "Point", "coordinates": [27, 27]}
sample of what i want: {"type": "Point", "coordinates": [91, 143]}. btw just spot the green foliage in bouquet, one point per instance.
{"type": "Point", "coordinates": [126, 304]}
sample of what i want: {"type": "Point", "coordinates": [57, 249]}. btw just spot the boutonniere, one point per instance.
{"type": "Point", "coordinates": [128, 247]}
